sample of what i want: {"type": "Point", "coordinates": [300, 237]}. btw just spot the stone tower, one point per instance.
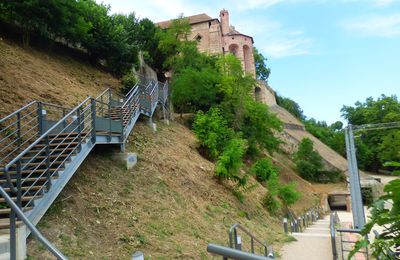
{"type": "Point", "coordinates": [224, 18]}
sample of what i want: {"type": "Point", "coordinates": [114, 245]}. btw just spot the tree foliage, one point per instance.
{"type": "Point", "coordinates": [308, 161]}
{"type": "Point", "coordinates": [262, 71]}
{"type": "Point", "coordinates": [291, 106]}
{"type": "Point", "coordinates": [112, 40]}
{"type": "Point", "coordinates": [375, 147]}
{"type": "Point", "coordinates": [388, 218]}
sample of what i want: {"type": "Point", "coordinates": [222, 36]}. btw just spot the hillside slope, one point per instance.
{"type": "Point", "coordinates": [170, 205]}
{"type": "Point", "coordinates": [331, 157]}
{"type": "Point", "coordinates": [28, 74]}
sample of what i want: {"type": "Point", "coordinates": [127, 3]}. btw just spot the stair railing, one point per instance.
{"type": "Point", "coordinates": [17, 212]}
{"type": "Point", "coordinates": [130, 111]}
{"type": "Point", "coordinates": [234, 241]}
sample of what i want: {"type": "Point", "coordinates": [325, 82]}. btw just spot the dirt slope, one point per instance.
{"type": "Point", "coordinates": [169, 206]}
{"type": "Point", "coordinates": [28, 74]}
{"type": "Point", "coordinates": [330, 156]}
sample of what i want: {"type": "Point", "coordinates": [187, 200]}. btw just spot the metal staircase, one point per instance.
{"type": "Point", "coordinates": [42, 145]}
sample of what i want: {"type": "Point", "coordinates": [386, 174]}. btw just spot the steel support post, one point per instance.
{"type": "Point", "coordinates": [354, 180]}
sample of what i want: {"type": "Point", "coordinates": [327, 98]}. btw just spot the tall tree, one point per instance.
{"type": "Point", "coordinates": [262, 71]}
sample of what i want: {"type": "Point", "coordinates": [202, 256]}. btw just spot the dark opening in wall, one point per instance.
{"type": "Point", "coordinates": [337, 202]}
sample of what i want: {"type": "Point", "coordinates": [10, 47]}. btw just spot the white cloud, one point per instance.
{"type": "Point", "coordinates": [375, 25]}
{"type": "Point", "coordinates": [280, 48]}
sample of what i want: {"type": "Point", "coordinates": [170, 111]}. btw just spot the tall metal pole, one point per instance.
{"type": "Point", "coordinates": [354, 180]}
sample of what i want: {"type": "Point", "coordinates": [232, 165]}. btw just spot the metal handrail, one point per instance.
{"type": "Point", "coordinates": [233, 240]}
{"type": "Point", "coordinates": [17, 111]}
{"type": "Point", "coordinates": [333, 234]}
{"type": "Point", "coordinates": [57, 253]}
{"type": "Point", "coordinates": [26, 150]}
{"type": "Point", "coordinates": [351, 231]}
{"type": "Point", "coordinates": [234, 253]}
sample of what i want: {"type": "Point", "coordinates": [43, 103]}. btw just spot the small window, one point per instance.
{"type": "Point", "coordinates": [209, 24]}
{"type": "Point", "coordinates": [198, 38]}
{"type": "Point", "coordinates": [223, 49]}
{"type": "Point", "coordinates": [233, 38]}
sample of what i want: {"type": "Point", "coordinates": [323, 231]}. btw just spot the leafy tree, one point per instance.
{"type": "Point", "coordinates": [308, 161]}
{"type": "Point", "coordinates": [288, 194]}
{"type": "Point", "coordinates": [375, 147]}
{"type": "Point", "coordinates": [212, 131]}
{"type": "Point", "coordinates": [263, 169]}
{"type": "Point", "coordinates": [388, 218]}
{"type": "Point", "coordinates": [262, 71]}
{"type": "Point", "coordinates": [259, 126]}
{"type": "Point", "coordinates": [291, 106]}
{"type": "Point", "coordinates": [231, 160]}
{"type": "Point", "coordinates": [195, 90]}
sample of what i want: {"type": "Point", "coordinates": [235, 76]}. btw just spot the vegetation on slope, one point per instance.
{"type": "Point", "coordinates": [28, 74]}
{"type": "Point", "coordinates": [169, 206]}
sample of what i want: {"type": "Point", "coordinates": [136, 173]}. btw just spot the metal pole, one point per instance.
{"type": "Point", "coordinates": [48, 175]}
{"type": "Point", "coordinates": [354, 180]}
{"type": "Point", "coordinates": [93, 107]}
{"type": "Point", "coordinates": [40, 118]}
{"type": "Point", "coordinates": [285, 225]}
{"type": "Point", "coordinates": [17, 211]}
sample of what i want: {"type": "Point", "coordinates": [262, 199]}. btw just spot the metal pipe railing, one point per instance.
{"type": "Point", "coordinates": [227, 252]}
{"type": "Point", "coordinates": [233, 238]}
{"type": "Point", "coordinates": [57, 253]}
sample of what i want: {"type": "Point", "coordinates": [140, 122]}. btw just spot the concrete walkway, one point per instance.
{"type": "Point", "coordinates": [313, 244]}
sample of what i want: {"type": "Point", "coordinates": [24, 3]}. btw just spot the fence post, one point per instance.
{"type": "Point", "coordinates": [48, 175]}
{"type": "Point", "coordinates": [285, 225]}
{"type": "Point", "coordinates": [93, 107]}
{"type": "Point", "coordinates": [40, 118]}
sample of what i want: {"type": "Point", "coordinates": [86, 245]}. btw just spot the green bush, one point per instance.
{"type": "Point", "coordinates": [271, 203]}
{"type": "Point", "coordinates": [307, 170]}
{"type": "Point", "coordinates": [263, 169]}
{"type": "Point", "coordinates": [128, 81]}
{"type": "Point", "coordinates": [231, 160]}
{"type": "Point", "coordinates": [288, 194]}
{"type": "Point", "coordinates": [212, 131]}
{"type": "Point", "coordinates": [308, 161]}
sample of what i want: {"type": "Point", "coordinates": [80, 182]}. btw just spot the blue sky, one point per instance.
{"type": "Point", "coordinates": [323, 53]}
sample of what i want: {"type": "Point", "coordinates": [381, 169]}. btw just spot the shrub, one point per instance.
{"type": "Point", "coordinates": [128, 81]}
{"type": "Point", "coordinates": [306, 170]}
{"type": "Point", "coordinates": [288, 194]}
{"type": "Point", "coordinates": [212, 131]}
{"type": "Point", "coordinates": [308, 161]}
{"type": "Point", "coordinates": [263, 169]}
{"type": "Point", "coordinates": [231, 160]}
{"type": "Point", "coordinates": [271, 203]}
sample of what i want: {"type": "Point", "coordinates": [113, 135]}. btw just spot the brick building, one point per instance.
{"type": "Point", "coordinates": [219, 37]}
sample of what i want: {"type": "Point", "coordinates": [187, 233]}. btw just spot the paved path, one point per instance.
{"type": "Point", "coordinates": [313, 244]}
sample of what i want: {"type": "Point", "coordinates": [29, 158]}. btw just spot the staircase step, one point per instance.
{"type": "Point", "coordinates": [56, 144]}
{"type": "Point", "coordinates": [107, 133]}
{"type": "Point", "coordinates": [2, 181]}
{"type": "Point", "coordinates": [27, 157]}
{"type": "Point", "coordinates": [63, 134]}
{"type": "Point", "coordinates": [35, 171]}
{"type": "Point", "coordinates": [5, 223]}
{"type": "Point", "coordinates": [51, 150]}
{"type": "Point", "coordinates": [8, 210]}
{"type": "Point", "coordinates": [25, 198]}
{"type": "Point", "coordinates": [25, 188]}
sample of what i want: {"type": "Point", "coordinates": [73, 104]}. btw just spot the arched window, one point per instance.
{"type": "Point", "coordinates": [233, 48]}
{"type": "Point", "coordinates": [247, 57]}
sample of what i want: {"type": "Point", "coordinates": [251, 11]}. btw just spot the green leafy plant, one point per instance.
{"type": "Point", "coordinates": [387, 218]}
{"type": "Point", "coordinates": [231, 160]}
{"type": "Point", "coordinates": [263, 169]}
{"type": "Point", "coordinates": [288, 194]}
{"type": "Point", "coordinates": [308, 161]}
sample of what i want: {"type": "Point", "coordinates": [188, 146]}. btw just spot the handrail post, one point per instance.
{"type": "Point", "coordinates": [19, 177]}
{"type": "Point", "coordinates": [48, 173]}
{"type": "Point", "coordinates": [13, 236]}
{"type": "Point", "coordinates": [93, 108]}
{"type": "Point", "coordinates": [252, 245]}
{"type": "Point", "coordinates": [40, 117]}
{"type": "Point", "coordinates": [121, 116]}
{"type": "Point", "coordinates": [79, 117]}
{"type": "Point", "coordinates": [19, 130]}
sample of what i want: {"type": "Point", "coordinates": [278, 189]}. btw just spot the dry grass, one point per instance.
{"type": "Point", "coordinates": [28, 74]}
{"type": "Point", "coordinates": [169, 206]}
